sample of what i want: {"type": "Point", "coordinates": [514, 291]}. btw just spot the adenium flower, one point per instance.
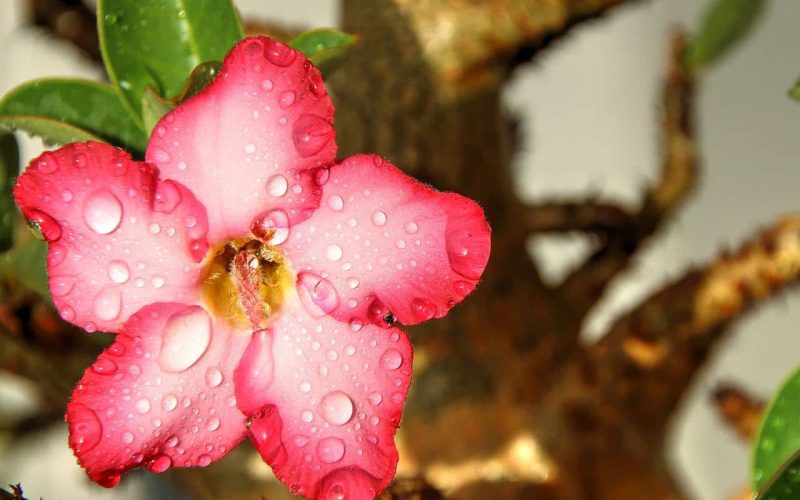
{"type": "Point", "coordinates": [253, 282]}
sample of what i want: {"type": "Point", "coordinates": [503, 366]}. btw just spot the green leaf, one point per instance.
{"type": "Point", "coordinates": [153, 108]}
{"type": "Point", "coordinates": [52, 132]}
{"type": "Point", "coordinates": [91, 106]}
{"type": "Point", "coordinates": [794, 92]}
{"type": "Point", "coordinates": [777, 436]}
{"type": "Point", "coordinates": [26, 263]}
{"type": "Point", "coordinates": [9, 169]}
{"type": "Point", "coordinates": [725, 23]}
{"type": "Point", "coordinates": [159, 42]}
{"type": "Point", "coordinates": [201, 76]}
{"type": "Point", "coordinates": [325, 48]}
{"type": "Point", "coordinates": [785, 483]}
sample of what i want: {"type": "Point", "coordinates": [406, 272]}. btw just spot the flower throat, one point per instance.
{"type": "Point", "coordinates": [245, 282]}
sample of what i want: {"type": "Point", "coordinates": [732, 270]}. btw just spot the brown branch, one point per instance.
{"type": "Point", "coordinates": [740, 410]}
{"type": "Point", "coordinates": [645, 363]}
{"type": "Point", "coordinates": [587, 216]}
{"type": "Point", "coordinates": [676, 181]}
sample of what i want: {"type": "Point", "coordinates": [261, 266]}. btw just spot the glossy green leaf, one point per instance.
{"type": "Point", "coordinates": [785, 483]}
{"type": "Point", "coordinates": [325, 48]}
{"type": "Point", "coordinates": [27, 264]}
{"type": "Point", "coordinates": [53, 132]}
{"type": "Point", "coordinates": [9, 169]}
{"type": "Point", "coordinates": [159, 42]}
{"type": "Point", "coordinates": [91, 106]}
{"type": "Point", "coordinates": [794, 92]}
{"type": "Point", "coordinates": [153, 108]}
{"type": "Point", "coordinates": [201, 76]}
{"type": "Point", "coordinates": [725, 23]}
{"type": "Point", "coordinates": [779, 436]}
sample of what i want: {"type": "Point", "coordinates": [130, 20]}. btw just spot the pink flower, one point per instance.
{"type": "Point", "coordinates": [254, 282]}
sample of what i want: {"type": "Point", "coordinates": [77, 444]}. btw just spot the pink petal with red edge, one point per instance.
{"type": "Point", "coordinates": [119, 238]}
{"type": "Point", "coordinates": [161, 395]}
{"type": "Point", "coordinates": [325, 402]}
{"type": "Point", "coordinates": [249, 142]}
{"type": "Point", "coordinates": [384, 246]}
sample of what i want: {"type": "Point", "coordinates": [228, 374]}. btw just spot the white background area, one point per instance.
{"type": "Point", "coordinates": [589, 111]}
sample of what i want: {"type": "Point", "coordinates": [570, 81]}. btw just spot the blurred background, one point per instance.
{"type": "Point", "coordinates": [587, 113]}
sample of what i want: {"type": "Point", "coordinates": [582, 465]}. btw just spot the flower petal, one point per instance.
{"type": "Point", "coordinates": [247, 142]}
{"type": "Point", "coordinates": [161, 395]}
{"type": "Point", "coordinates": [119, 238]}
{"type": "Point", "coordinates": [383, 243]}
{"type": "Point", "coordinates": [325, 402]}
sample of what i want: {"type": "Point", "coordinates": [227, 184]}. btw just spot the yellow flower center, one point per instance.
{"type": "Point", "coordinates": [245, 282]}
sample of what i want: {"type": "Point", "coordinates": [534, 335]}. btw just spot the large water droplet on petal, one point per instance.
{"type": "Point", "coordinates": [330, 450]}
{"type": "Point", "coordinates": [337, 408]}
{"type": "Point", "coordinates": [104, 366]}
{"type": "Point", "coordinates": [279, 54]}
{"type": "Point", "coordinates": [336, 203]}
{"type": "Point", "coordinates": [422, 309]}
{"type": "Point", "coordinates": [255, 372]}
{"type": "Point", "coordinates": [213, 377]}
{"type": "Point", "coordinates": [317, 294]}
{"type": "Point", "coordinates": [286, 99]}
{"type": "Point", "coordinates": [118, 271]}
{"type": "Point", "coordinates": [160, 464]}
{"type": "Point", "coordinates": [310, 134]}
{"type": "Point", "coordinates": [379, 218]}
{"type": "Point", "coordinates": [102, 212]}
{"type": "Point", "coordinates": [167, 197]}
{"type": "Point", "coordinates": [391, 359]}
{"type": "Point", "coordinates": [185, 339]}
{"type": "Point", "coordinates": [277, 185]}
{"type": "Point", "coordinates": [272, 227]}
{"type": "Point", "coordinates": [108, 304]}
{"type": "Point", "coordinates": [85, 428]}
{"type": "Point", "coordinates": [169, 403]}
{"type": "Point", "coordinates": [334, 252]}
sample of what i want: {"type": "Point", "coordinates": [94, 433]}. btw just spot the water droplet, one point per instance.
{"type": "Point", "coordinates": [380, 314]}
{"type": "Point", "coordinates": [379, 218]}
{"type": "Point", "coordinates": [85, 427]}
{"type": "Point", "coordinates": [143, 406]}
{"type": "Point", "coordinates": [391, 359]}
{"type": "Point", "coordinates": [286, 99]}
{"type": "Point", "coordinates": [104, 366]}
{"type": "Point", "coordinates": [158, 281]}
{"type": "Point", "coordinates": [423, 309]}
{"type": "Point", "coordinates": [277, 185]}
{"type": "Point", "coordinates": [66, 195]}
{"type": "Point", "coordinates": [307, 416]}
{"type": "Point", "coordinates": [337, 408]}
{"type": "Point", "coordinates": [462, 288]}
{"type": "Point", "coordinates": [411, 227]}
{"type": "Point", "coordinates": [333, 252]}
{"type": "Point", "coordinates": [102, 212]}
{"type": "Point", "coordinates": [159, 155]}
{"type": "Point", "coordinates": [56, 255]}
{"type": "Point", "coordinates": [330, 450]}
{"type": "Point", "coordinates": [160, 464]}
{"type": "Point", "coordinates": [167, 197]}
{"type": "Point", "coordinates": [267, 85]}
{"type": "Point", "coordinates": [397, 397]}
{"type": "Point", "coordinates": [213, 424]}
{"type": "Point", "coordinates": [375, 398]}
{"type": "Point", "coordinates": [118, 271]}
{"type": "Point", "coordinates": [305, 387]}
{"type": "Point", "coordinates": [336, 203]}
{"type": "Point", "coordinates": [249, 148]}
{"type": "Point", "coordinates": [108, 304]}
{"type": "Point", "coordinates": [352, 283]}
{"type": "Point", "coordinates": [169, 403]}
{"type": "Point", "coordinates": [271, 227]}
{"type": "Point", "coordinates": [62, 285]}
{"type": "Point", "coordinates": [255, 372]}
{"type": "Point", "coordinates": [67, 313]}
{"type": "Point", "coordinates": [310, 134]}
{"type": "Point", "coordinates": [317, 294]}
{"type": "Point", "coordinates": [79, 161]}
{"type": "Point", "coordinates": [203, 460]}
{"type": "Point", "coordinates": [279, 54]}
{"type": "Point", "coordinates": [185, 339]}
{"type": "Point", "coordinates": [213, 377]}
{"type": "Point", "coordinates": [43, 226]}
